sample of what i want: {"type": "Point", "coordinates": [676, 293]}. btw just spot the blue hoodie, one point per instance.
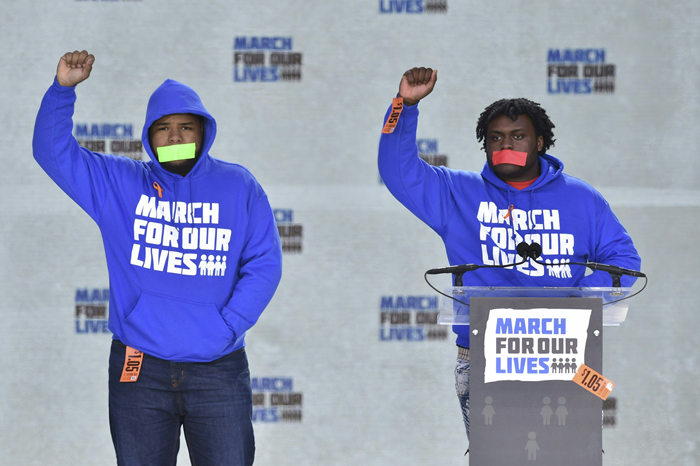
{"type": "Point", "coordinates": [470, 211]}
{"type": "Point", "coordinates": [194, 260]}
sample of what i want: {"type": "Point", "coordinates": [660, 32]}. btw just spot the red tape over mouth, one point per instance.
{"type": "Point", "coordinates": [509, 156]}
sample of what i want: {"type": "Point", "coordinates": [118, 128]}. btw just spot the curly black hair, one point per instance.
{"type": "Point", "coordinates": [512, 108]}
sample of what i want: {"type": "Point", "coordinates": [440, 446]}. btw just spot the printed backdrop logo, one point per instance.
{"type": "Point", "coordinates": [274, 400]}
{"type": "Point", "coordinates": [412, 6]}
{"type": "Point", "coordinates": [428, 151]}
{"type": "Point", "coordinates": [91, 306]}
{"type": "Point", "coordinates": [579, 71]}
{"type": "Point", "coordinates": [410, 318]}
{"type": "Point", "coordinates": [265, 59]}
{"type": "Point", "coordinates": [499, 235]}
{"type": "Point", "coordinates": [291, 234]}
{"type": "Point", "coordinates": [120, 136]}
{"type": "Point", "coordinates": [548, 344]}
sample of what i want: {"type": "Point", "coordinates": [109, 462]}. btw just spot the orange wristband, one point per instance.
{"type": "Point", "coordinates": [396, 108]}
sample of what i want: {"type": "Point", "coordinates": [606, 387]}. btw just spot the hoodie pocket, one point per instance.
{"type": "Point", "coordinates": [177, 330]}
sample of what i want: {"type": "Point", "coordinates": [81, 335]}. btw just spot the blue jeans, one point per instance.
{"type": "Point", "coordinates": [462, 387]}
{"type": "Point", "coordinates": [212, 401]}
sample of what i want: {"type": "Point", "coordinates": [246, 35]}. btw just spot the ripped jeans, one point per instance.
{"type": "Point", "coordinates": [462, 387]}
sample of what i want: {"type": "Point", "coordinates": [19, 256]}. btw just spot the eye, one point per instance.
{"type": "Point", "coordinates": [518, 136]}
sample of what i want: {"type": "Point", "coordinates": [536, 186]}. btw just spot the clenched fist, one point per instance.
{"type": "Point", "coordinates": [74, 68]}
{"type": "Point", "coordinates": [417, 83]}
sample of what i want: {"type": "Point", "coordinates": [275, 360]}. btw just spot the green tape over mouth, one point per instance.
{"type": "Point", "coordinates": [176, 152]}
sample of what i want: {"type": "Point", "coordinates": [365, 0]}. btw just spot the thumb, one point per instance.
{"type": "Point", "coordinates": [433, 79]}
{"type": "Point", "coordinates": [87, 66]}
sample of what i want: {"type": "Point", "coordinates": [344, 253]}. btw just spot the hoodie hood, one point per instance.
{"type": "Point", "coordinates": [175, 97]}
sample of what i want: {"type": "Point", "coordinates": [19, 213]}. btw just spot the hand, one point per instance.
{"type": "Point", "coordinates": [417, 83]}
{"type": "Point", "coordinates": [74, 68]}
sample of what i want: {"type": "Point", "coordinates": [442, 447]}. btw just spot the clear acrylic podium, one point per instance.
{"type": "Point", "coordinates": [455, 313]}
{"type": "Point", "coordinates": [526, 344]}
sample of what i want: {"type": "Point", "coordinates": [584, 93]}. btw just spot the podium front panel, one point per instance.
{"type": "Point", "coordinates": [524, 407]}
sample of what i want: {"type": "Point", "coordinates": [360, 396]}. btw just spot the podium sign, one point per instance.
{"type": "Point", "coordinates": [524, 407]}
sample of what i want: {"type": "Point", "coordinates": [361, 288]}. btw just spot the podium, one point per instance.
{"type": "Point", "coordinates": [526, 345]}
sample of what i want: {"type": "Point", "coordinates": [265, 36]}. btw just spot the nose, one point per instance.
{"type": "Point", "coordinates": [175, 135]}
{"type": "Point", "coordinates": [507, 143]}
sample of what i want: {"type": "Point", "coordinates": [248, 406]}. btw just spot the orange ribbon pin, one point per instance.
{"type": "Point", "coordinates": [160, 190]}
{"type": "Point", "coordinates": [510, 209]}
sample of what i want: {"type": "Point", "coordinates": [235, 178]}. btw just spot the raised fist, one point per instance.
{"type": "Point", "coordinates": [74, 68]}
{"type": "Point", "coordinates": [417, 83]}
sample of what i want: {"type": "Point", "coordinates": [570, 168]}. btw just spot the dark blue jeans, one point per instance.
{"type": "Point", "coordinates": [212, 401]}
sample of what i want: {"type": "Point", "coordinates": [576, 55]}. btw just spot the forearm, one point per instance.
{"type": "Point", "coordinates": [420, 187]}
{"type": "Point", "coordinates": [614, 246]}
{"type": "Point", "coordinates": [53, 131]}
{"type": "Point", "coordinates": [80, 173]}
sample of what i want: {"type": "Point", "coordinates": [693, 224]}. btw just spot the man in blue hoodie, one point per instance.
{"type": "Point", "coordinates": [521, 195]}
{"type": "Point", "coordinates": [193, 257]}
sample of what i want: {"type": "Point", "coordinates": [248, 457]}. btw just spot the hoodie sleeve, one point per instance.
{"type": "Point", "coordinates": [420, 187]}
{"type": "Point", "coordinates": [260, 269]}
{"type": "Point", "coordinates": [613, 246]}
{"type": "Point", "coordinates": [81, 174]}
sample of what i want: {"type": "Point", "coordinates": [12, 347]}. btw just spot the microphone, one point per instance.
{"type": "Point", "coordinates": [614, 269]}
{"type": "Point", "coordinates": [526, 251]}
{"type": "Point", "coordinates": [534, 251]}
{"type": "Point", "coordinates": [456, 269]}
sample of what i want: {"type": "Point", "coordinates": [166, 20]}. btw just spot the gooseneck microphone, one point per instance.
{"type": "Point", "coordinates": [459, 270]}
{"type": "Point", "coordinates": [534, 251]}
{"type": "Point", "coordinates": [614, 269]}
{"type": "Point", "coordinates": [456, 269]}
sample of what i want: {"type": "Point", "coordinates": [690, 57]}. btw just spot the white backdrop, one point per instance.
{"type": "Point", "coordinates": [312, 143]}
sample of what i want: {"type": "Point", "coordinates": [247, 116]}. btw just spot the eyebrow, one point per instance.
{"type": "Point", "coordinates": [514, 130]}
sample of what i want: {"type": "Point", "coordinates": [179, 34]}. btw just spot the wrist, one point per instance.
{"type": "Point", "coordinates": [61, 88]}
{"type": "Point", "coordinates": [63, 83]}
{"type": "Point", "coordinates": [409, 102]}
